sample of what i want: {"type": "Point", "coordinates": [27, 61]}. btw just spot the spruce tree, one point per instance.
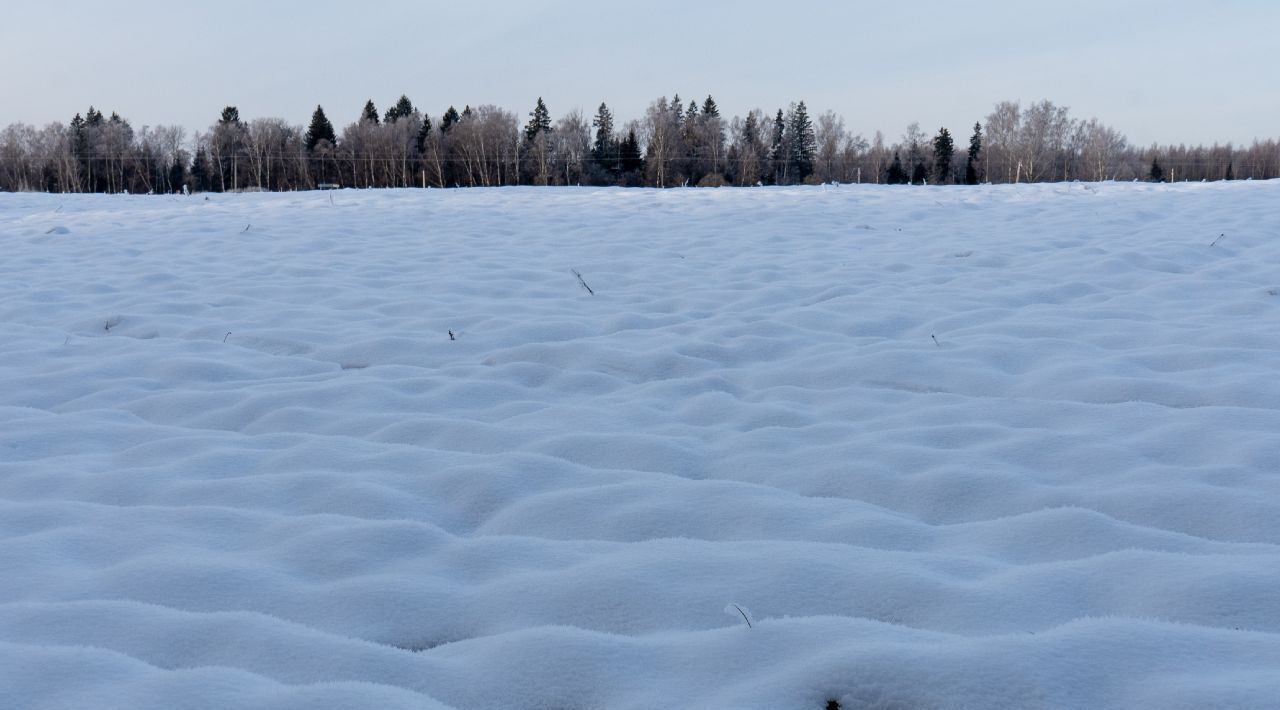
{"type": "Point", "coordinates": [1157, 172]}
{"type": "Point", "coordinates": [777, 149]}
{"type": "Point", "coordinates": [975, 147]}
{"type": "Point", "coordinates": [943, 151]}
{"type": "Point", "coordinates": [896, 175]}
{"type": "Point", "coordinates": [604, 151]}
{"type": "Point", "coordinates": [539, 121]}
{"type": "Point", "coordinates": [402, 109]}
{"type": "Point", "coordinates": [691, 114]}
{"type": "Point", "coordinates": [709, 108]}
{"type": "Point", "coordinates": [804, 144]}
{"type": "Point", "coordinates": [230, 115]}
{"type": "Point", "coordinates": [370, 113]}
{"type": "Point", "coordinates": [177, 174]}
{"type": "Point", "coordinates": [424, 134]}
{"type": "Point", "coordinates": [199, 175]}
{"type": "Point", "coordinates": [449, 118]}
{"type": "Point", "coordinates": [629, 157]}
{"type": "Point", "coordinates": [919, 173]}
{"type": "Point", "coordinates": [319, 130]}
{"type": "Point", "coordinates": [750, 130]}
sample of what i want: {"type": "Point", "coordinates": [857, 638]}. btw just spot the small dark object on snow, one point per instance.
{"type": "Point", "coordinates": [451, 336]}
{"type": "Point", "coordinates": [584, 283]}
{"type": "Point", "coordinates": [833, 705]}
{"type": "Point", "coordinates": [935, 340]}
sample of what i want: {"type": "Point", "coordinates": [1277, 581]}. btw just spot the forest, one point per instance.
{"type": "Point", "coordinates": [674, 144]}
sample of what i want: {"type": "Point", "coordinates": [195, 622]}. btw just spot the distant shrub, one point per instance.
{"type": "Point", "coordinates": [712, 180]}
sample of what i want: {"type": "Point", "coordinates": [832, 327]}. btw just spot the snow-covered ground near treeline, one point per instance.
{"type": "Point", "coordinates": [994, 447]}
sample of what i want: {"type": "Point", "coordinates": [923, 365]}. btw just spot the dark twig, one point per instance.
{"type": "Point", "coordinates": [935, 340]}
{"type": "Point", "coordinates": [246, 228]}
{"type": "Point", "coordinates": [1214, 243]}
{"type": "Point", "coordinates": [584, 283]}
{"type": "Point", "coordinates": [451, 336]}
{"type": "Point", "coordinates": [744, 615]}
{"type": "Point", "coordinates": [228, 335]}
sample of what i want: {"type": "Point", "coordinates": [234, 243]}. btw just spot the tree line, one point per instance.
{"type": "Point", "coordinates": [673, 144]}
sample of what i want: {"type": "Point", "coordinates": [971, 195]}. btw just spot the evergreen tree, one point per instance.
{"type": "Point", "coordinates": [402, 109]}
{"type": "Point", "coordinates": [629, 157]}
{"type": "Point", "coordinates": [896, 175]}
{"type": "Point", "coordinates": [230, 115]}
{"type": "Point", "coordinates": [449, 118]}
{"type": "Point", "coordinates": [228, 143]}
{"type": "Point", "coordinates": [919, 173]}
{"type": "Point", "coordinates": [539, 121]}
{"type": "Point", "coordinates": [943, 151]}
{"type": "Point", "coordinates": [975, 147]}
{"type": "Point", "coordinates": [319, 130]}
{"type": "Point", "coordinates": [424, 134]}
{"type": "Point", "coordinates": [677, 111]}
{"type": "Point", "coordinates": [605, 149]}
{"type": "Point", "coordinates": [691, 115]}
{"type": "Point", "coordinates": [1231, 173]}
{"type": "Point", "coordinates": [777, 149]}
{"type": "Point", "coordinates": [370, 113]}
{"type": "Point", "coordinates": [750, 130]}
{"type": "Point", "coordinates": [199, 175]}
{"type": "Point", "coordinates": [78, 138]}
{"type": "Point", "coordinates": [1157, 172]}
{"type": "Point", "coordinates": [709, 108]}
{"type": "Point", "coordinates": [177, 174]}
{"type": "Point", "coordinates": [804, 144]}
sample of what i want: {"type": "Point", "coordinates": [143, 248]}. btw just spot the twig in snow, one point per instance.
{"type": "Point", "coordinates": [584, 283]}
{"type": "Point", "coordinates": [228, 335]}
{"type": "Point", "coordinates": [935, 340]}
{"type": "Point", "coordinates": [1214, 243]}
{"type": "Point", "coordinates": [331, 198]}
{"type": "Point", "coordinates": [246, 228]}
{"type": "Point", "coordinates": [451, 336]}
{"type": "Point", "coordinates": [58, 210]}
{"type": "Point", "coordinates": [67, 341]}
{"type": "Point", "coordinates": [744, 615]}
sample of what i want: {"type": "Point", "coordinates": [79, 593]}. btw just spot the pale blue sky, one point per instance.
{"type": "Point", "coordinates": [1170, 71]}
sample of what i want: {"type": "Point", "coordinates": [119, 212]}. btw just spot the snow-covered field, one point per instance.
{"type": "Point", "coordinates": [997, 447]}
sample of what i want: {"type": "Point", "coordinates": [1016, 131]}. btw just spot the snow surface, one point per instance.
{"type": "Point", "coordinates": [997, 447]}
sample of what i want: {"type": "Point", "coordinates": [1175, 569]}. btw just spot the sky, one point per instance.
{"type": "Point", "coordinates": [1171, 71]}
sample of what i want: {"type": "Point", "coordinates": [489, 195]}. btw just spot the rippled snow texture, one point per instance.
{"type": "Point", "coordinates": [1011, 446]}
